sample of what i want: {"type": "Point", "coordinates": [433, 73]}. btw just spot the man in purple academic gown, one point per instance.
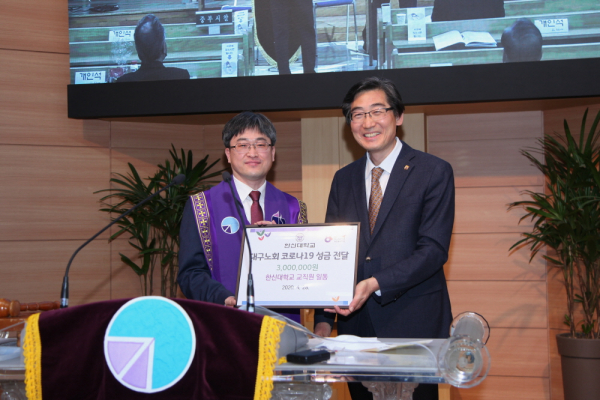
{"type": "Point", "coordinates": [211, 234]}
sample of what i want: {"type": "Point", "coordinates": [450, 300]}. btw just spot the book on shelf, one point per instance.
{"type": "Point", "coordinates": [455, 40]}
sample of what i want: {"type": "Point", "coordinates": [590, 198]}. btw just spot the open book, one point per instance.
{"type": "Point", "coordinates": [454, 40]}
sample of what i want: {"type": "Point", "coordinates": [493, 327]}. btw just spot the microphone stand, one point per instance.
{"type": "Point", "coordinates": [250, 286]}
{"type": "Point", "coordinates": [64, 293]}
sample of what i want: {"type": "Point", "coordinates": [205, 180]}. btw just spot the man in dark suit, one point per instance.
{"type": "Point", "coordinates": [404, 200]}
{"type": "Point", "coordinates": [151, 46]}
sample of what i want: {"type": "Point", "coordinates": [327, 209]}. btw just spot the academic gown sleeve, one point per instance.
{"type": "Point", "coordinates": [194, 276]}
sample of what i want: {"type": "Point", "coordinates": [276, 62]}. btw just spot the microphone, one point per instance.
{"type": "Point", "coordinates": [64, 293]}
{"type": "Point", "coordinates": [250, 287]}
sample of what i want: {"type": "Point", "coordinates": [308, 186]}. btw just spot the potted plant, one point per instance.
{"type": "Point", "coordinates": [566, 220]}
{"type": "Point", "coordinates": [154, 227]}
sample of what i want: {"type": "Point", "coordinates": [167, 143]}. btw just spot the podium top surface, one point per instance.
{"type": "Point", "coordinates": [414, 363]}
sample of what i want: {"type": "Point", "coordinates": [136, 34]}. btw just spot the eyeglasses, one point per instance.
{"type": "Point", "coordinates": [243, 148]}
{"type": "Point", "coordinates": [376, 114]}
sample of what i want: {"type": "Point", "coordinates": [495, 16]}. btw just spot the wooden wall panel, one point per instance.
{"type": "Point", "coordinates": [553, 119]}
{"type": "Point", "coordinates": [147, 160]}
{"type": "Point", "coordinates": [484, 151]}
{"type": "Point", "coordinates": [486, 257]}
{"type": "Point", "coordinates": [49, 191]}
{"type": "Point", "coordinates": [286, 173]}
{"type": "Point", "coordinates": [51, 165]}
{"type": "Point", "coordinates": [33, 270]}
{"type": "Point", "coordinates": [505, 304]}
{"type": "Point", "coordinates": [89, 278]}
{"type": "Point", "coordinates": [501, 388]}
{"type": "Point", "coordinates": [494, 162]}
{"type": "Point", "coordinates": [519, 352]}
{"type": "Point", "coordinates": [320, 161]}
{"type": "Point", "coordinates": [213, 137]}
{"type": "Point", "coordinates": [33, 102]}
{"type": "Point", "coordinates": [484, 126]}
{"type": "Point", "coordinates": [349, 149]}
{"type": "Point", "coordinates": [156, 136]}
{"type": "Point", "coordinates": [484, 210]}
{"type": "Point", "coordinates": [413, 130]}
{"type": "Point", "coordinates": [288, 134]}
{"type": "Point", "coordinates": [125, 283]}
{"type": "Point", "coordinates": [557, 304]}
{"type": "Point", "coordinates": [340, 391]}
{"type": "Point", "coordinates": [37, 25]}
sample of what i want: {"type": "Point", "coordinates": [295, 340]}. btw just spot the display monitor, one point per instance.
{"type": "Point", "coordinates": [134, 58]}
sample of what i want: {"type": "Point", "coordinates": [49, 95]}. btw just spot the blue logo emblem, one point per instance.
{"type": "Point", "coordinates": [149, 344]}
{"type": "Point", "coordinates": [230, 225]}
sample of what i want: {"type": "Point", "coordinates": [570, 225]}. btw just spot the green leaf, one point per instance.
{"type": "Point", "coordinates": [154, 227]}
{"type": "Point", "coordinates": [133, 265]}
{"type": "Point", "coordinates": [566, 217]}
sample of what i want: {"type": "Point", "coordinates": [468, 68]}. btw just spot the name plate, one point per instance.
{"type": "Point", "coordinates": [386, 13]}
{"type": "Point", "coordinates": [90, 77]}
{"type": "Point", "coordinates": [417, 26]}
{"type": "Point", "coordinates": [229, 60]}
{"type": "Point", "coordinates": [121, 35]}
{"type": "Point", "coordinates": [214, 18]}
{"type": "Point", "coordinates": [241, 22]}
{"type": "Point", "coordinates": [552, 25]}
{"type": "Point", "coordinates": [300, 266]}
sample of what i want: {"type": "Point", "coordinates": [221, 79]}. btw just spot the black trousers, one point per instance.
{"type": "Point", "coordinates": [294, 17]}
{"type": "Point", "coordinates": [422, 392]}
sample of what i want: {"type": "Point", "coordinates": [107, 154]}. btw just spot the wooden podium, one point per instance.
{"type": "Point", "coordinates": [226, 336]}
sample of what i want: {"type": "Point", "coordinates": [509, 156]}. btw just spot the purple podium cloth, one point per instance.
{"type": "Point", "coordinates": [74, 367]}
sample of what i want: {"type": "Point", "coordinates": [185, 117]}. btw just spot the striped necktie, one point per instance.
{"type": "Point", "coordinates": [376, 196]}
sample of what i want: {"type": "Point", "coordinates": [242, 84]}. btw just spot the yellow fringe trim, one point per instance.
{"type": "Point", "coordinates": [270, 333]}
{"type": "Point", "coordinates": [32, 349]}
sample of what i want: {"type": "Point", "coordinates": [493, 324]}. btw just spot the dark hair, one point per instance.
{"type": "Point", "coordinates": [374, 83]}
{"type": "Point", "coordinates": [149, 38]}
{"type": "Point", "coordinates": [248, 120]}
{"type": "Point", "coordinates": [522, 41]}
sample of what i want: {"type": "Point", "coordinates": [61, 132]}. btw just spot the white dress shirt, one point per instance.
{"type": "Point", "coordinates": [386, 165]}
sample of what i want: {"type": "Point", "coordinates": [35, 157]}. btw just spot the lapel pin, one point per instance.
{"type": "Point", "coordinates": [406, 167]}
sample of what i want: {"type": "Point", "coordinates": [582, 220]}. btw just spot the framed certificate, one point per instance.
{"type": "Point", "coordinates": [303, 266]}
